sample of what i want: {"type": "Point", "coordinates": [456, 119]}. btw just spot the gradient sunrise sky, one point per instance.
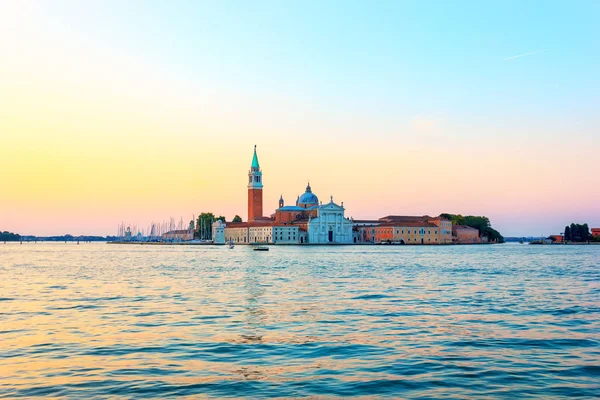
{"type": "Point", "coordinates": [137, 111]}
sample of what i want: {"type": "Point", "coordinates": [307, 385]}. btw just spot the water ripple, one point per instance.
{"type": "Point", "coordinates": [100, 320]}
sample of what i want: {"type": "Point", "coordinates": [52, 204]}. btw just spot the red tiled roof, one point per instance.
{"type": "Point", "coordinates": [455, 227]}
{"type": "Point", "coordinates": [246, 224]}
{"type": "Point", "coordinates": [402, 218]}
{"type": "Point", "coordinates": [403, 224]}
{"type": "Point", "coordinates": [438, 218]}
{"type": "Point", "coordinates": [236, 225]}
{"type": "Point", "coordinates": [415, 224]}
{"type": "Point", "coordinates": [254, 224]}
{"type": "Point", "coordinates": [264, 219]}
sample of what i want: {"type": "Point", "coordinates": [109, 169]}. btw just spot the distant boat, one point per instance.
{"type": "Point", "coordinates": [231, 244]}
{"type": "Point", "coordinates": [261, 248]}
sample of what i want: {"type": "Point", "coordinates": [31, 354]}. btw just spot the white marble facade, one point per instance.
{"type": "Point", "coordinates": [330, 226]}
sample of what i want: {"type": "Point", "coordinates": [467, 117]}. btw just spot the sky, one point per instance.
{"type": "Point", "coordinates": [140, 111]}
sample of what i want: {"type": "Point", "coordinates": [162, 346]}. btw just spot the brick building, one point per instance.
{"type": "Point", "coordinates": [404, 229]}
{"type": "Point", "coordinates": [463, 234]}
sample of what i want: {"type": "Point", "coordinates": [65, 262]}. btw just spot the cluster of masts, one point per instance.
{"type": "Point", "coordinates": [153, 232]}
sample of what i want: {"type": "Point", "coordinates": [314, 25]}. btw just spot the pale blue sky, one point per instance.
{"type": "Point", "coordinates": [445, 56]}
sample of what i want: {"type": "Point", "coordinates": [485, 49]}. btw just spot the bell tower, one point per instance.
{"type": "Point", "coordinates": [255, 186]}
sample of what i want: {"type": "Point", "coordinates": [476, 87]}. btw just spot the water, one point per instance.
{"type": "Point", "coordinates": [99, 320]}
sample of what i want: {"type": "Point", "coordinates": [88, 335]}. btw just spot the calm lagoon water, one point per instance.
{"type": "Point", "coordinates": [99, 320]}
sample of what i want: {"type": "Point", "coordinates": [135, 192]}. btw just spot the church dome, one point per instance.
{"type": "Point", "coordinates": [308, 198]}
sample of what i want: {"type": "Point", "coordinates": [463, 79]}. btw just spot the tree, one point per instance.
{"type": "Point", "coordinates": [204, 226]}
{"type": "Point", "coordinates": [456, 219]}
{"type": "Point", "coordinates": [9, 237]}
{"type": "Point", "coordinates": [237, 218]}
{"type": "Point", "coordinates": [577, 232]}
{"type": "Point", "coordinates": [481, 223]}
{"type": "Point", "coordinates": [584, 232]}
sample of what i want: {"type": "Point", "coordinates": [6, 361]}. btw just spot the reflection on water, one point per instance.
{"type": "Point", "coordinates": [144, 321]}
{"type": "Point", "coordinates": [254, 313]}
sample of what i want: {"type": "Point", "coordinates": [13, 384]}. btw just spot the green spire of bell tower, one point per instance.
{"type": "Point", "coordinates": [255, 166]}
{"type": "Point", "coordinates": [255, 174]}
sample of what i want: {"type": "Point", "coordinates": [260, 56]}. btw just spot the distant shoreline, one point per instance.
{"type": "Point", "coordinates": [565, 244]}
{"type": "Point", "coordinates": [293, 244]}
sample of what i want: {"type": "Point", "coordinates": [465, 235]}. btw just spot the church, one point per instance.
{"type": "Point", "coordinates": [323, 223]}
{"type": "Point", "coordinates": [308, 222]}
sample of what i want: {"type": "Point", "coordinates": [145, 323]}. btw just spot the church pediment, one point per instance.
{"type": "Point", "coordinates": [331, 206]}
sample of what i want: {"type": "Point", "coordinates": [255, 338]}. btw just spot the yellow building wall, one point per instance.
{"type": "Point", "coordinates": [236, 235]}
{"type": "Point", "coordinates": [413, 235]}
{"type": "Point", "coordinates": [260, 234]}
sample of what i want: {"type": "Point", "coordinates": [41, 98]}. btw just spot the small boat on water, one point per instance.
{"type": "Point", "coordinates": [230, 244]}
{"type": "Point", "coordinates": [261, 248]}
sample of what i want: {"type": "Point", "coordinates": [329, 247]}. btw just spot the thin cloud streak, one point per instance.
{"type": "Point", "coordinates": [524, 55]}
